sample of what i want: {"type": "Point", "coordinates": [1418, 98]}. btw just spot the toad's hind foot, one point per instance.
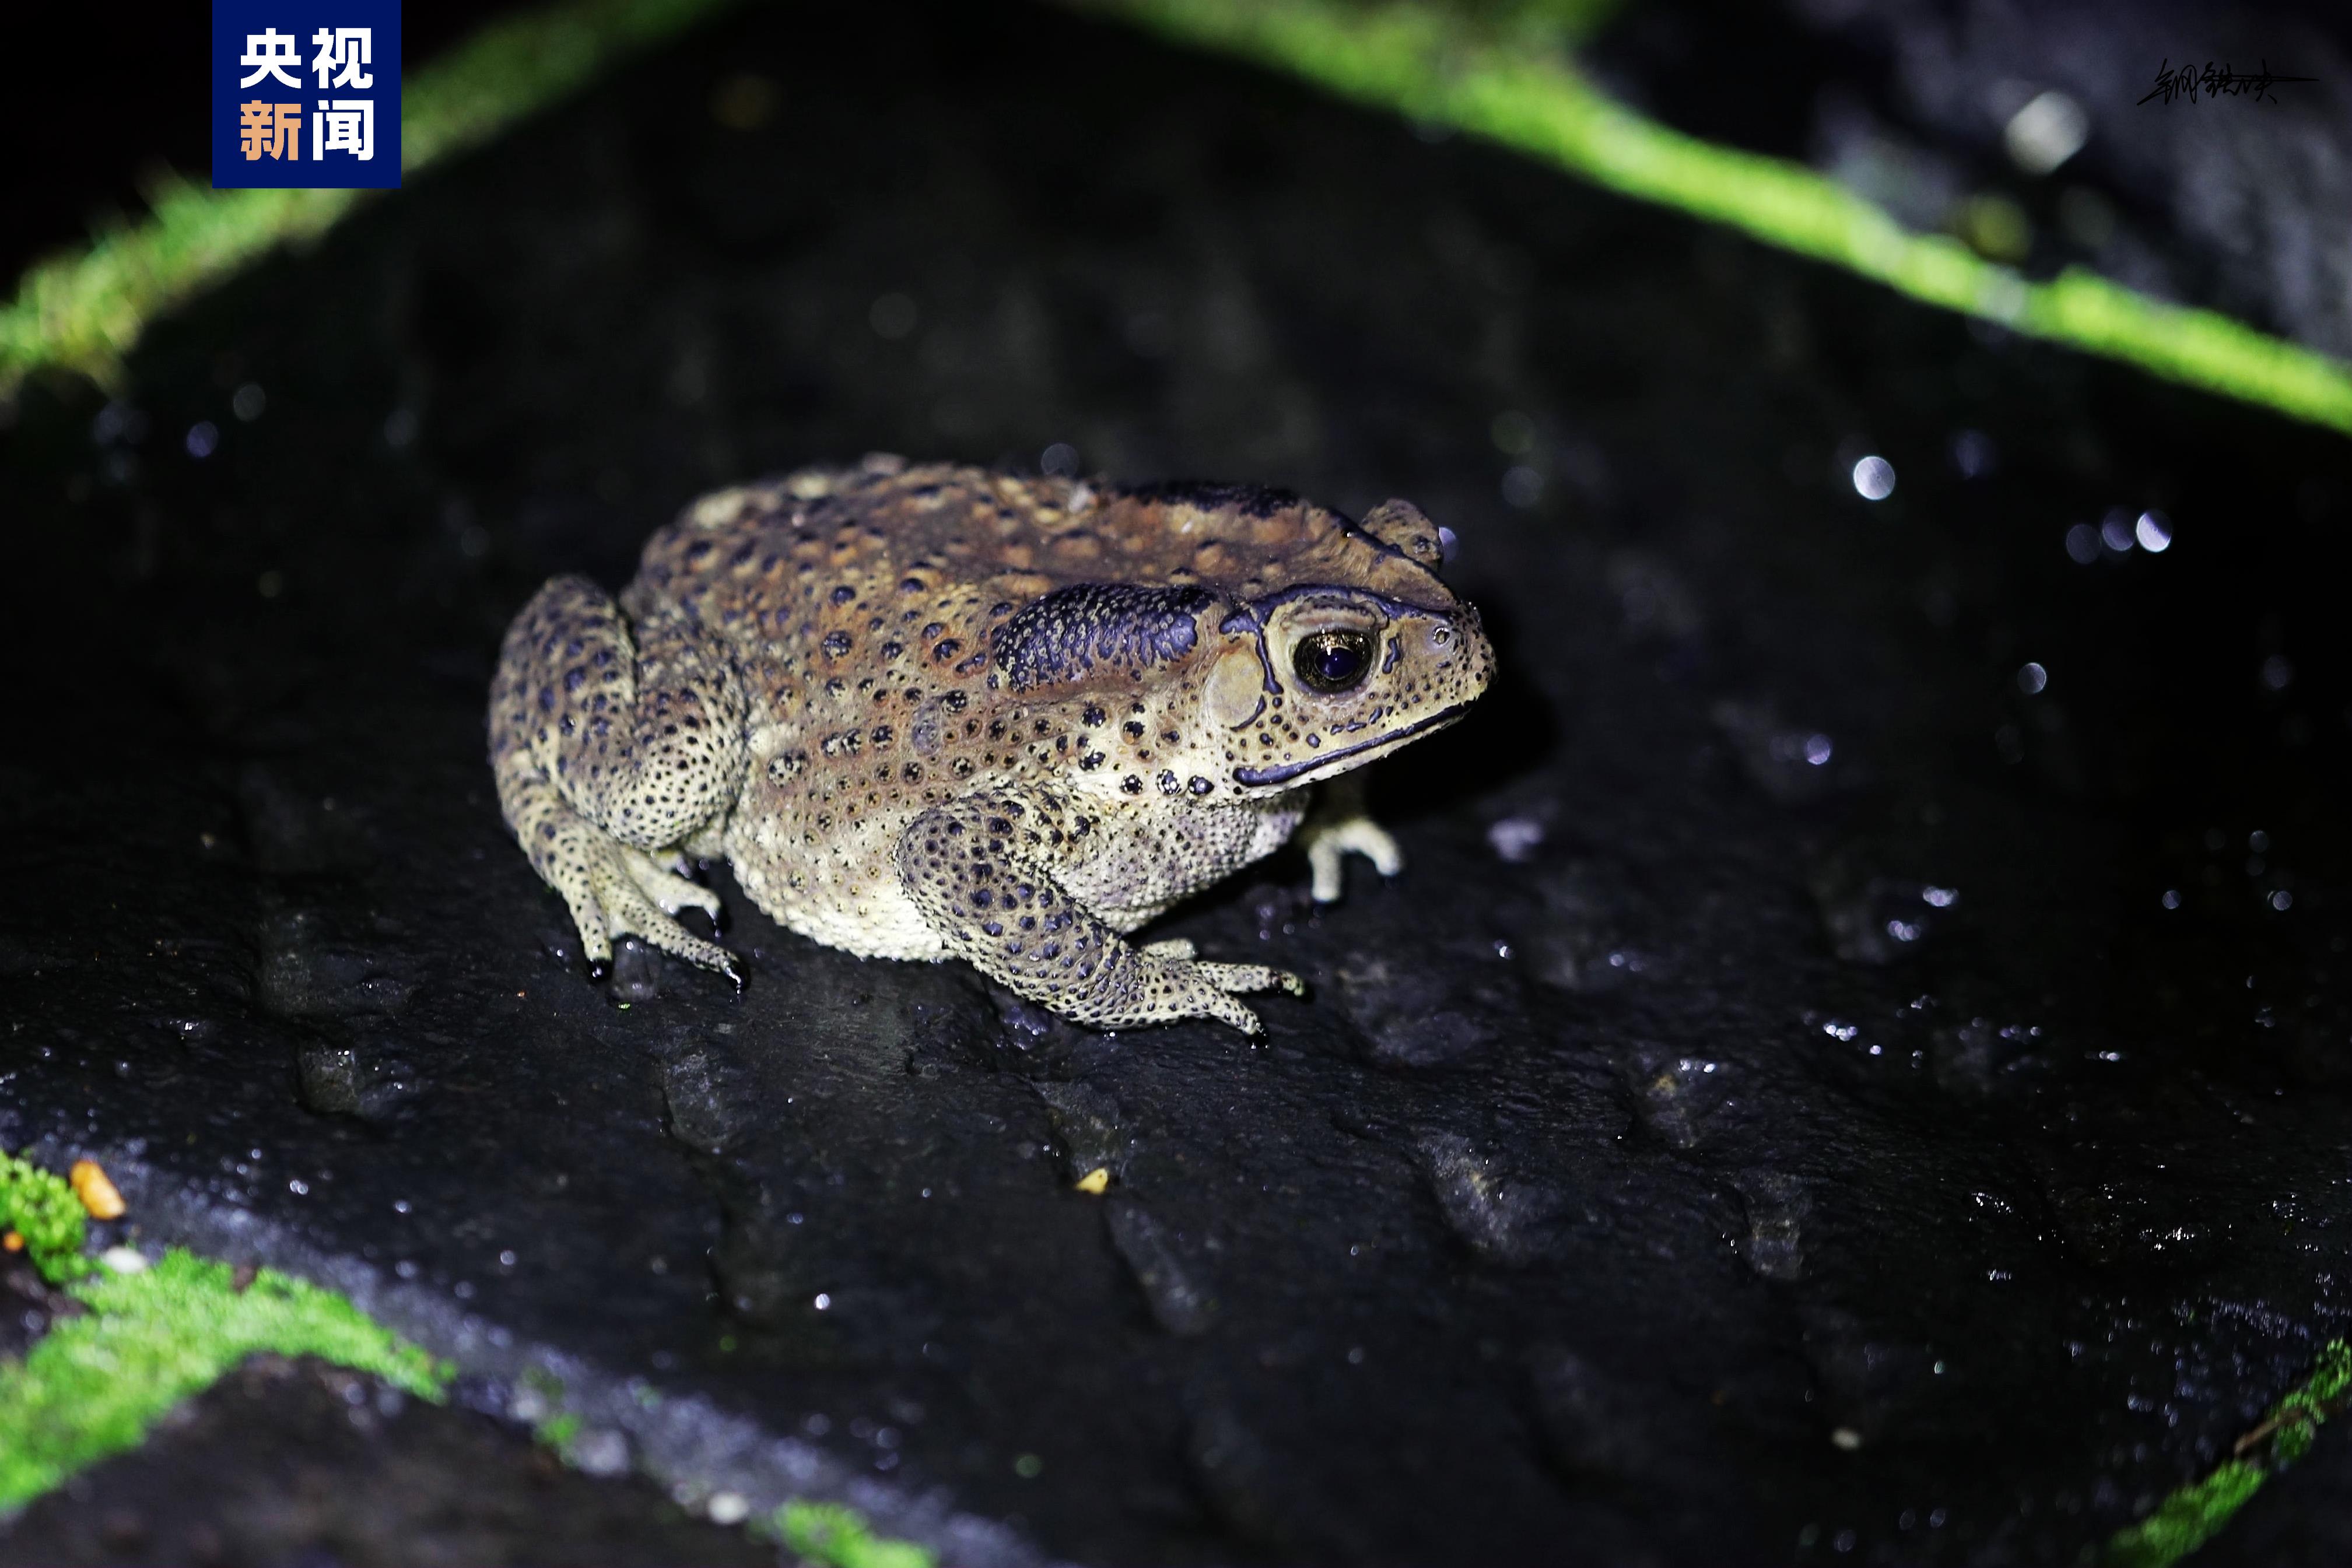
{"type": "Point", "coordinates": [639, 898]}
{"type": "Point", "coordinates": [614, 890]}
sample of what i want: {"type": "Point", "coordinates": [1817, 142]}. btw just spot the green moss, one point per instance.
{"type": "Point", "coordinates": [831, 1533]}
{"type": "Point", "coordinates": [41, 1208]}
{"type": "Point", "coordinates": [559, 1432]}
{"type": "Point", "coordinates": [93, 1384]}
{"type": "Point", "coordinates": [2192, 1515]}
{"type": "Point", "coordinates": [1421, 60]}
{"type": "Point", "coordinates": [2186, 1520]}
{"type": "Point", "coordinates": [83, 311]}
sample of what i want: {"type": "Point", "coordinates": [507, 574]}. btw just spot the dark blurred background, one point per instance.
{"type": "Point", "coordinates": [1913, 104]}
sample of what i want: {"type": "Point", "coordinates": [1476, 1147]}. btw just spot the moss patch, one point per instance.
{"type": "Point", "coordinates": [1506, 84]}
{"type": "Point", "coordinates": [92, 1386]}
{"type": "Point", "coordinates": [45, 1216]}
{"type": "Point", "coordinates": [2193, 1514]}
{"type": "Point", "coordinates": [831, 1533]}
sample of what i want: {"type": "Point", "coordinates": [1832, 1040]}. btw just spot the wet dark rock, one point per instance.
{"type": "Point", "coordinates": [708, 1102]}
{"type": "Point", "coordinates": [287, 1462]}
{"type": "Point", "coordinates": [305, 973]}
{"type": "Point", "coordinates": [1420, 1011]}
{"type": "Point", "coordinates": [1500, 1217]}
{"type": "Point", "coordinates": [1777, 1209]}
{"type": "Point", "coordinates": [1976, 1059]}
{"type": "Point", "coordinates": [1873, 919]}
{"type": "Point", "coordinates": [1155, 1255]}
{"type": "Point", "coordinates": [1575, 944]}
{"type": "Point", "coordinates": [1087, 1126]}
{"type": "Point", "coordinates": [1790, 763]}
{"type": "Point", "coordinates": [363, 1079]}
{"type": "Point", "coordinates": [1676, 1097]}
{"type": "Point", "coordinates": [292, 832]}
{"type": "Point", "coordinates": [636, 971]}
{"type": "Point", "coordinates": [1246, 1485]}
{"type": "Point", "coordinates": [1872, 1388]}
{"type": "Point", "coordinates": [1592, 1426]}
{"type": "Point", "coordinates": [2141, 1222]}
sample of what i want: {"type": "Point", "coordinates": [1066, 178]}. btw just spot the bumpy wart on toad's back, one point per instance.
{"type": "Point", "coordinates": [933, 712]}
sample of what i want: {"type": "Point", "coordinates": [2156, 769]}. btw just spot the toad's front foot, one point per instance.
{"type": "Point", "coordinates": [1330, 839]}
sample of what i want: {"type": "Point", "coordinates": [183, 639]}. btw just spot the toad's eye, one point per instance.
{"type": "Point", "coordinates": [1333, 660]}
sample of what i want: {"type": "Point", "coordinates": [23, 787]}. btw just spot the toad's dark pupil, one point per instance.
{"type": "Point", "coordinates": [1333, 660]}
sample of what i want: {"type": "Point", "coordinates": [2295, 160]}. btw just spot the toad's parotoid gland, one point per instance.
{"type": "Point", "coordinates": [934, 712]}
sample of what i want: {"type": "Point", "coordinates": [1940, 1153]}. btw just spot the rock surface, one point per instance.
{"type": "Point", "coordinates": [1593, 1198]}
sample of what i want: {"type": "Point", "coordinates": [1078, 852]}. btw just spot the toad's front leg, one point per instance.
{"type": "Point", "coordinates": [1342, 823]}
{"type": "Point", "coordinates": [981, 871]}
{"type": "Point", "coordinates": [616, 742]}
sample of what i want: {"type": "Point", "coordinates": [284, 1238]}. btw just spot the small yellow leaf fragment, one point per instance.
{"type": "Point", "coordinates": [13, 1242]}
{"type": "Point", "coordinates": [1095, 1182]}
{"type": "Point", "coordinates": [97, 1194]}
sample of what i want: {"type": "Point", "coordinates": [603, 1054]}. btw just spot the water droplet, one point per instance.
{"type": "Point", "coordinates": [249, 402]}
{"type": "Point", "coordinates": [2032, 679]}
{"type": "Point", "coordinates": [204, 436]}
{"type": "Point", "coordinates": [2048, 130]}
{"type": "Point", "coordinates": [1059, 458]}
{"type": "Point", "coordinates": [2153, 531]}
{"type": "Point", "coordinates": [1874, 478]}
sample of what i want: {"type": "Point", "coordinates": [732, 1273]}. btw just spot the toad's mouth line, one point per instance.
{"type": "Point", "coordinates": [1290, 770]}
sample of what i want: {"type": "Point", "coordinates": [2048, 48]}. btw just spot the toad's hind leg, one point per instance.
{"type": "Point", "coordinates": [977, 870]}
{"type": "Point", "coordinates": [614, 746]}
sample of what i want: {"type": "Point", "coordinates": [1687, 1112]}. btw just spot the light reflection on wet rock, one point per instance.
{"type": "Point", "coordinates": [1873, 919]}
{"type": "Point", "coordinates": [1676, 1097]}
{"type": "Point", "coordinates": [1792, 764]}
{"type": "Point", "coordinates": [2135, 1223]}
{"type": "Point", "coordinates": [1975, 1059]}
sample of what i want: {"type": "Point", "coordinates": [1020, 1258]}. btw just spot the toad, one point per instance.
{"type": "Point", "coordinates": [933, 712]}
